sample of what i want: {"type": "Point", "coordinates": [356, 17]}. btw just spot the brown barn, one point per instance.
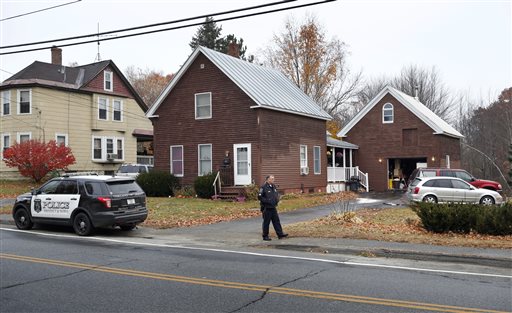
{"type": "Point", "coordinates": [396, 133]}
{"type": "Point", "coordinates": [220, 112]}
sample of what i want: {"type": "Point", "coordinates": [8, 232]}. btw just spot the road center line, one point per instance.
{"type": "Point", "coordinates": [251, 287]}
{"type": "Point", "coordinates": [405, 268]}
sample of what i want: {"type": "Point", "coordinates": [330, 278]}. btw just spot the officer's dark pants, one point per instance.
{"type": "Point", "coordinates": [271, 215]}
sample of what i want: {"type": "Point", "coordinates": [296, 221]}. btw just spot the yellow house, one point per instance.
{"type": "Point", "coordinates": [93, 109]}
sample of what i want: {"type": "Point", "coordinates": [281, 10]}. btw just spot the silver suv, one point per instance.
{"type": "Point", "coordinates": [133, 170]}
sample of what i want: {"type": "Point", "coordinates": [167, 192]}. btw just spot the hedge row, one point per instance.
{"type": "Point", "coordinates": [465, 218]}
{"type": "Point", "coordinates": [158, 183]}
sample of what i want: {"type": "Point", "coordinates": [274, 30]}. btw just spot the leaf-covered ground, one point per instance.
{"type": "Point", "coordinates": [397, 225]}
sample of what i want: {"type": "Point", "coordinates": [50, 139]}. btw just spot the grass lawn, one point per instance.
{"type": "Point", "coordinates": [395, 224]}
{"type": "Point", "coordinates": [398, 225]}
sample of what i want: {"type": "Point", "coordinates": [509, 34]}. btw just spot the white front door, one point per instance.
{"type": "Point", "coordinates": [242, 153]}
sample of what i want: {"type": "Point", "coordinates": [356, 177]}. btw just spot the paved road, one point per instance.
{"type": "Point", "coordinates": [59, 272]}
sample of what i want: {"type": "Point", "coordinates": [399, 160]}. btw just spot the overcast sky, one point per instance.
{"type": "Point", "coordinates": [469, 42]}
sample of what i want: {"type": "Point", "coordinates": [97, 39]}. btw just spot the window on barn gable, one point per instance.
{"type": "Point", "coordinates": [203, 105]}
{"type": "Point", "coordinates": [387, 113]}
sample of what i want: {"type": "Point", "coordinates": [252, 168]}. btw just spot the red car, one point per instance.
{"type": "Point", "coordinates": [451, 172]}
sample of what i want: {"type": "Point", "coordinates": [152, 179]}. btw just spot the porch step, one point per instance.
{"type": "Point", "coordinates": [230, 193]}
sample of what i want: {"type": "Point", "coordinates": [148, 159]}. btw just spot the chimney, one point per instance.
{"type": "Point", "coordinates": [56, 55]}
{"type": "Point", "coordinates": [233, 49]}
{"type": "Point", "coordinates": [416, 92]}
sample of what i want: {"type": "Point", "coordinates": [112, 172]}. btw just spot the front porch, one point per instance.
{"type": "Point", "coordinates": [340, 169]}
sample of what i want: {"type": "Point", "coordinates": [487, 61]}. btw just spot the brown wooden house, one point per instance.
{"type": "Point", "coordinates": [222, 112]}
{"type": "Point", "coordinates": [396, 133]}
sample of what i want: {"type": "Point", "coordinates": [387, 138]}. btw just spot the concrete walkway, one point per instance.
{"type": "Point", "coordinates": [246, 233]}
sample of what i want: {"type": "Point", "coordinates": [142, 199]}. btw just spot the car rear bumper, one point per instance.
{"type": "Point", "coordinates": [113, 218]}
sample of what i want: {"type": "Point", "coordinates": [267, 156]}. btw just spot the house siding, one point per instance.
{"type": "Point", "coordinates": [377, 140]}
{"type": "Point", "coordinates": [75, 114]}
{"type": "Point", "coordinates": [274, 136]}
{"type": "Point", "coordinates": [96, 84]}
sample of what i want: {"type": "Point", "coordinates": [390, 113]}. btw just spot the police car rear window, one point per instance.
{"type": "Point", "coordinates": [124, 187]}
{"type": "Point", "coordinates": [96, 188]}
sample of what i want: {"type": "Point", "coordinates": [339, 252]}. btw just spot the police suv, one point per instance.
{"type": "Point", "coordinates": [85, 202]}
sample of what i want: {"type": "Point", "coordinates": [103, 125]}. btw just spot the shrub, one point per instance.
{"type": "Point", "coordinates": [158, 183]}
{"type": "Point", "coordinates": [203, 185]}
{"type": "Point", "coordinates": [465, 218]}
{"type": "Point", "coordinates": [35, 158]}
{"type": "Point", "coordinates": [185, 191]}
{"type": "Point", "coordinates": [251, 192]}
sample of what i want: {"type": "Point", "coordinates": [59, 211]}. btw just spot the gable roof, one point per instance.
{"type": "Point", "coordinates": [268, 88]}
{"type": "Point", "coordinates": [54, 75]}
{"type": "Point", "coordinates": [437, 124]}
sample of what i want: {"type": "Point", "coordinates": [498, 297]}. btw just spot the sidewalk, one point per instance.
{"type": "Point", "coordinates": [246, 233]}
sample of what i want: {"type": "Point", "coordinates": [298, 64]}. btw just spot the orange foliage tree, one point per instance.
{"type": "Point", "coordinates": [35, 158]}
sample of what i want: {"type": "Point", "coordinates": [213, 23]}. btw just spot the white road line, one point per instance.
{"type": "Point", "coordinates": [405, 268]}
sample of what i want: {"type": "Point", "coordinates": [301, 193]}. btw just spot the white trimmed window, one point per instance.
{"type": "Point", "coordinates": [103, 146]}
{"type": "Point", "coordinates": [108, 81]}
{"type": "Point", "coordinates": [117, 110]}
{"type": "Point", "coordinates": [6, 102]}
{"type": "Point", "coordinates": [303, 156]}
{"type": "Point", "coordinates": [24, 101]}
{"type": "Point", "coordinates": [316, 158]}
{"type": "Point", "coordinates": [22, 137]}
{"type": "Point", "coordinates": [204, 159]}
{"type": "Point", "coordinates": [203, 105]}
{"type": "Point", "coordinates": [103, 109]}
{"type": "Point", "coordinates": [6, 141]}
{"type": "Point", "coordinates": [387, 113]}
{"type": "Point", "coordinates": [177, 161]}
{"type": "Point", "coordinates": [61, 139]}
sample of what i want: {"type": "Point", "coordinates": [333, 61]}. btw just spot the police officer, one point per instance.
{"type": "Point", "coordinates": [269, 198]}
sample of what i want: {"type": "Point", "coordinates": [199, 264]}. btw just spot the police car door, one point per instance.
{"type": "Point", "coordinates": [56, 199]}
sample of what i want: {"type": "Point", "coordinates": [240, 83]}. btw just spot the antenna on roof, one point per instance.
{"type": "Point", "coordinates": [98, 57]}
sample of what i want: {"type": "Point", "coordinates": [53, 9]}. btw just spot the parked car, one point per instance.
{"type": "Point", "coordinates": [84, 202]}
{"type": "Point", "coordinates": [459, 173]}
{"type": "Point", "coordinates": [441, 189]}
{"type": "Point", "coordinates": [133, 170]}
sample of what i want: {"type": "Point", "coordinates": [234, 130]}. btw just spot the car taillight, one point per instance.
{"type": "Point", "coordinates": [106, 201]}
{"type": "Point", "coordinates": [416, 190]}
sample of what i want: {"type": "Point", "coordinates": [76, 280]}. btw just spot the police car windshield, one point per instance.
{"type": "Point", "coordinates": [124, 187]}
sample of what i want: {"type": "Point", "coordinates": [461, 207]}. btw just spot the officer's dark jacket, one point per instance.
{"type": "Point", "coordinates": [269, 197]}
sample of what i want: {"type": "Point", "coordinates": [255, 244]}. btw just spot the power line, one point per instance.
{"type": "Point", "coordinates": [24, 14]}
{"type": "Point", "coordinates": [172, 28]}
{"type": "Point", "coordinates": [147, 26]}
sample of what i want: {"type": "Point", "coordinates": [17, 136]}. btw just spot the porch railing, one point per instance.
{"type": "Point", "coordinates": [217, 183]}
{"type": "Point", "coordinates": [343, 174]}
{"type": "Point", "coordinates": [144, 159]}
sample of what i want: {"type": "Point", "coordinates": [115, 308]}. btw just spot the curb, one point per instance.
{"type": "Point", "coordinates": [400, 254]}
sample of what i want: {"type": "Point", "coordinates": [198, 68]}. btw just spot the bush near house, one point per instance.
{"type": "Point", "coordinates": [465, 218]}
{"type": "Point", "coordinates": [203, 185]}
{"type": "Point", "coordinates": [35, 159]}
{"type": "Point", "coordinates": [158, 183]}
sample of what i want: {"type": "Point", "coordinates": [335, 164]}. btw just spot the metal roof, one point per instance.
{"type": "Point", "coordinates": [340, 143]}
{"type": "Point", "coordinates": [439, 126]}
{"type": "Point", "coordinates": [268, 88]}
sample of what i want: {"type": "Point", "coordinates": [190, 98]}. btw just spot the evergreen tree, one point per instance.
{"type": "Point", "coordinates": [207, 35]}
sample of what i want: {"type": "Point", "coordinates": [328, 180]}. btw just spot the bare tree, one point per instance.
{"type": "Point", "coordinates": [148, 83]}
{"type": "Point", "coordinates": [431, 91]}
{"type": "Point", "coordinates": [315, 64]}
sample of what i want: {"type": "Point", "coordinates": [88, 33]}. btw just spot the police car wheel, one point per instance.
{"type": "Point", "coordinates": [127, 227]}
{"type": "Point", "coordinates": [22, 219]}
{"type": "Point", "coordinates": [82, 225]}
